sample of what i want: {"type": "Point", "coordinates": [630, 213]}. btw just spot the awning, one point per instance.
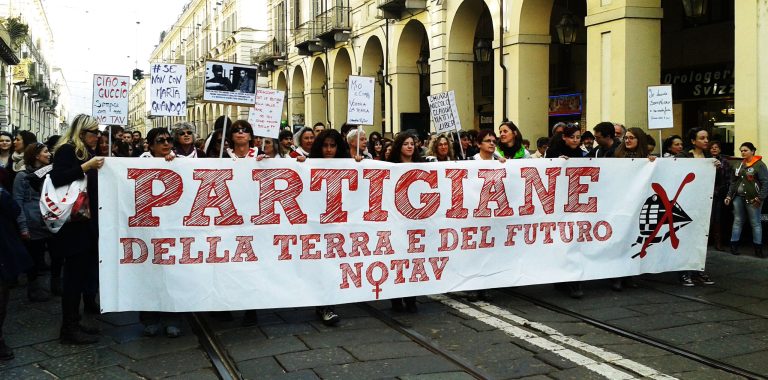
{"type": "Point", "coordinates": [7, 54]}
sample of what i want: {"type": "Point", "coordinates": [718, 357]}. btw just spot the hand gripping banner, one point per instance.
{"type": "Point", "coordinates": [217, 234]}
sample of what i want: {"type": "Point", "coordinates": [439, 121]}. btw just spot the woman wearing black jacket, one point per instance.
{"type": "Point", "coordinates": [565, 144]}
{"type": "Point", "coordinates": [74, 159]}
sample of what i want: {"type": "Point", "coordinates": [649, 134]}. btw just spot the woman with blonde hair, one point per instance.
{"type": "Point", "coordinates": [440, 149]}
{"type": "Point", "coordinates": [75, 159]}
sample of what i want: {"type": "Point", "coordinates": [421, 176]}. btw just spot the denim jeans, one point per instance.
{"type": "Point", "coordinates": [742, 210]}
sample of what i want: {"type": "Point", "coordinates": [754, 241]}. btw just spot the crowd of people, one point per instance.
{"type": "Point", "coordinates": [79, 154]}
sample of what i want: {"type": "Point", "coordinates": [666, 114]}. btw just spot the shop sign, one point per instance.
{"type": "Point", "coordinates": [701, 82]}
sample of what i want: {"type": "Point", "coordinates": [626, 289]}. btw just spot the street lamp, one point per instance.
{"type": "Point", "coordinates": [567, 28]}
{"type": "Point", "coordinates": [422, 64]}
{"type": "Point", "coordinates": [483, 50]}
{"type": "Point", "coordinates": [695, 8]}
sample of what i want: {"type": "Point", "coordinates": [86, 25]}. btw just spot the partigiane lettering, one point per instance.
{"type": "Point", "coordinates": [284, 186]}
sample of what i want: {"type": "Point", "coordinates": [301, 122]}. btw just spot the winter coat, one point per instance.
{"type": "Point", "coordinates": [751, 180]}
{"type": "Point", "coordinates": [26, 192]}
{"type": "Point", "coordinates": [14, 259]}
{"type": "Point", "coordinates": [76, 237]}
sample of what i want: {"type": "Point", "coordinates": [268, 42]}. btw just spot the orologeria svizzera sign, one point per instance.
{"type": "Point", "coordinates": [217, 234]}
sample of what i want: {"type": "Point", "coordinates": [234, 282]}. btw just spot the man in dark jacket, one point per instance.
{"type": "Point", "coordinates": [605, 137]}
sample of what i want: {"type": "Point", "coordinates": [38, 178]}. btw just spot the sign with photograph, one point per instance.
{"type": "Point", "coordinates": [564, 105]}
{"type": "Point", "coordinates": [230, 83]}
{"type": "Point", "coordinates": [265, 117]}
{"type": "Point", "coordinates": [168, 90]}
{"type": "Point", "coordinates": [444, 112]}
{"type": "Point", "coordinates": [110, 99]}
{"type": "Point", "coordinates": [660, 107]}
{"type": "Point", "coordinates": [360, 100]}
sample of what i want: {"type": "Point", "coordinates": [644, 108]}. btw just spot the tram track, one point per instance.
{"type": "Point", "coordinates": [423, 341]}
{"type": "Point", "coordinates": [639, 337]}
{"type": "Point", "coordinates": [699, 299]}
{"type": "Point", "coordinates": [223, 365]}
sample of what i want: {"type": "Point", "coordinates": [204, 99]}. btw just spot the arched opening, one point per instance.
{"type": "Point", "coordinates": [373, 66]}
{"type": "Point", "coordinates": [318, 94]}
{"type": "Point", "coordinates": [282, 85]}
{"type": "Point", "coordinates": [567, 64]}
{"type": "Point", "coordinates": [412, 73]}
{"type": "Point", "coordinates": [297, 108]}
{"type": "Point", "coordinates": [470, 45]}
{"type": "Point", "coordinates": [342, 69]}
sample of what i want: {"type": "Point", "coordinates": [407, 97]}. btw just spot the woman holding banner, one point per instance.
{"type": "Point", "coordinates": [303, 140]}
{"type": "Point", "coordinates": [159, 141]}
{"type": "Point", "coordinates": [240, 137]}
{"type": "Point", "coordinates": [440, 149]}
{"type": "Point", "coordinates": [75, 159]}
{"type": "Point", "coordinates": [699, 138]}
{"type": "Point", "coordinates": [184, 141]}
{"type": "Point", "coordinates": [404, 151]}
{"type": "Point", "coordinates": [565, 143]}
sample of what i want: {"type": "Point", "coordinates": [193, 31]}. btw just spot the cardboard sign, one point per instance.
{"type": "Point", "coordinates": [360, 99]}
{"type": "Point", "coordinates": [110, 99]}
{"type": "Point", "coordinates": [195, 235]}
{"type": "Point", "coordinates": [266, 115]}
{"type": "Point", "coordinates": [230, 83]}
{"type": "Point", "coordinates": [442, 106]}
{"type": "Point", "coordinates": [660, 107]}
{"type": "Point", "coordinates": [167, 90]}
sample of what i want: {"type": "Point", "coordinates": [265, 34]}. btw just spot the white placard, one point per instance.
{"type": "Point", "coordinates": [660, 107]}
{"type": "Point", "coordinates": [265, 117]}
{"type": "Point", "coordinates": [217, 234]}
{"type": "Point", "coordinates": [110, 99]}
{"type": "Point", "coordinates": [360, 100]}
{"type": "Point", "coordinates": [230, 83]}
{"type": "Point", "coordinates": [167, 89]}
{"type": "Point", "coordinates": [442, 106]}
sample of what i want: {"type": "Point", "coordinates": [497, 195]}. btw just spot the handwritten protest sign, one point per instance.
{"type": "Point", "coordinates": [231, 235]}
{"type": "Point", "coordinates": [110, 99]}
{"type": "Point", "coordinates": [660, 107]}
{"type": "Point", "coordinates": [266, 115]}
{"type": "Point", "coordinates": [444, 112]}
{"type": "Point", "coordinates": [168, 90]}
{"type": "Point", "coordinates": [360, 100]}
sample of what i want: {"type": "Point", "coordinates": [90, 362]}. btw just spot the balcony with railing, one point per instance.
{"type": "Point", "coordinates": [395, 8]}
{"type": "Point", "coordinates": [270, 51]}
{"type": "Point", "coordinates": [303, 36]}
{"type": "Point", "coordinates": [331, 24]}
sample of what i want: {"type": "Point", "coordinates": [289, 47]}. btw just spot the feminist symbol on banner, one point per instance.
{"type": "Point", "coordinates": [382, 278]}
{"type": "Point", "coordinates": [658, 211]}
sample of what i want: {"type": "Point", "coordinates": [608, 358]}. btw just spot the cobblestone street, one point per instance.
{"type": "Point", "coordinates": [449, 338]}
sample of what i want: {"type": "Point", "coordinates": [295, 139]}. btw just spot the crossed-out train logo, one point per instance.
{"type": "Point", "coordinates": [660, 213]}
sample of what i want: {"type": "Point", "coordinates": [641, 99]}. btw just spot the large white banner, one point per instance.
{"type": "Point", "coordinates": [210, 234]}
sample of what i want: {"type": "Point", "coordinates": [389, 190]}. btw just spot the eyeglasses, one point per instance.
{"type": "Point", "coordinates": [185, 133]}
{"type": "Point", "coordinates": [490, 142]}
{"type": "Point", "coordinates": [241, 130]}
{"type": "Point", "coordinates": [630, 138]}
{"type": "Point", "coordinates": [164, 140]}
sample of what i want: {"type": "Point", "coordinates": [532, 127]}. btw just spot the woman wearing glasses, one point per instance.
{"type": "Point", "coordinates": [488, 151]}
{"type": "Point", "coordinates": [240, 139]}
{"type": "Point", "coordinates": [74, 159]}
{"type": "Point", "coordinates": [160, 145]}
{"type": "Point", "coordinates": [184, 141]}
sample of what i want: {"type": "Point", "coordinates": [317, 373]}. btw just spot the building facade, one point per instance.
{"type": "Point", "coordinates": [223, 30]}
{"type": "Point", "coordinates": [30, 92]}
{"type": "Point", "coordinates": [534, 62]}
